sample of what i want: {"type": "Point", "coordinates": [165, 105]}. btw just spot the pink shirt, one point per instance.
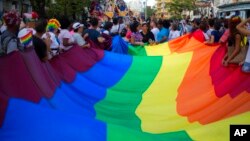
{"type": "Point", "coordinates": [64, 33]}
{"type": "Point", "coordinates": [225, 36]}
{"type": "Point", "coordinates": [128, 35]}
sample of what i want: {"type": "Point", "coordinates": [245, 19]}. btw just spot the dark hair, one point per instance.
{"type": "Point", "coordinates": [217, 25]}
{"type": "Point", "coordinates": [120, 20]}
{"type": "Point", "coordinates": [160, 22]}
{"type": "Point", "coordinates": [166, 23]}
{"type": "Point", "coordinates": [76, 30]}
{"type": "Point", "coordinates": [115, 21]}
{"type": "Point", "coordinates": [65, 23]}
{"type": "Point", "coordinates": [197, 21]}
{"type": "Point", "coordinates": [133, 26]}
{"type": "Point", "coordinates": [123, 32]}
{"type": "Point", "coordinates": [40, 26]}
{"type": "Point", "coordinates": [94, 22]}
{"type": "Point", "coordinates": [108, 25]}
{"type": "Point", "coordinates": [234, 21]}
{"type": "Point", "coordinates": [211, 22]}
{"type": "Point", "coordinates": [174, 27]}
{"type": "Point", "coordinates": [225, 23]}
{"type": "Point", "coordinates": [203, 26]}
{"type": "Point", "coordinates": [154, 21]}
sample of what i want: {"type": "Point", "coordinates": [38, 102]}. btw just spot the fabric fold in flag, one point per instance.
{"type": "Point", "coordinates": [177, 90]}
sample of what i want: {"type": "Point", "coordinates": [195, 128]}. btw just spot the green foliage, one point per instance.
{"type": "Point", "coordinates": [70, 8]}
{"type": "Point", "coordinates": [176, 7]}
{"type": "Point", "coordinates": [50, 9]}
{"type": "Point", "coordinates": [150, 11]}
{"type": "Point", "coordinates": [39, 7]}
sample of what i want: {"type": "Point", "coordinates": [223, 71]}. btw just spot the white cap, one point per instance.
{"type": "Point", "coordinates": [25, 36]}
{"type": "Point", "coordinates": [77, 25]}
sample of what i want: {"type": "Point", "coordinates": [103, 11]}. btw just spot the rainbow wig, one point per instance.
{"type": "Point", "coordinates": [52, 25]}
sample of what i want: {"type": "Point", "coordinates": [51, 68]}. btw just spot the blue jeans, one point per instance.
{"type": "Point", "coordinates": [246, 67]}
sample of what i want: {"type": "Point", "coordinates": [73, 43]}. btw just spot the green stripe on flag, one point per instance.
{"type": "Point", "coordinates": [116, 133]}
{"type": "Point", "coordinates": [137, 50]}
{"type": "Point", "coordinates": [119, 106]}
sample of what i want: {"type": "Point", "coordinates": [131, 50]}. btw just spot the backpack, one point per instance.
{"type": "Point", "coordinates": [4, 41]}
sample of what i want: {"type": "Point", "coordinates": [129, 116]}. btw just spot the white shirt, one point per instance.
{"type": "Point", "coordinates": [115, 28]}
{"type": "Point", "coordinates": [228, 17]}
{"type": "Point", "coordinates": [209, 31]}
{"type": "Point", "coordinates": [64, 33]}
{"type": "Point", "coordinates": [54, 42]}
{"type": "Point", "coordinates": [79, 39]}
{"type": "Point", "coordinates": [173, 34]}
{"type": "Point", "coordinates": [155, 31]}
{"type": "Point", "coordinates": [3, 28]}
{"type": "Point", "coordinates": [106, 32]}
{"type": "Point", "coordinates": [206, 36]}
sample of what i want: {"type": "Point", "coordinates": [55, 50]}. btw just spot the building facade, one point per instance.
{"type": "Point", "coordinates": [223, 2]}
{"type": "Point", "coordinates": [234, 7]}
{"type": "Point", "coordinates": [23, 6]}
{"type": "Point", "coordinates": [161, 8]}
{"type": "Point", "coordinates": [136, 6]}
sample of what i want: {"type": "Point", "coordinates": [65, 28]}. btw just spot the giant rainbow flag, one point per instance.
{"type": "Point", "coordinates": [176, 91]}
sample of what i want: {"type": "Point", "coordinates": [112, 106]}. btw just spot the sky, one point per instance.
{"type": "Point", "coordinates": [150, 2]}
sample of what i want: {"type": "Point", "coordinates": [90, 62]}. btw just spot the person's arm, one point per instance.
{"type": "Point", "coordinates": [240, 27]}
{"type": "Point", "coordinates": [224, 37]}
{"type": "Point", "coordinates": [44, 59]}
{"type": "Point", "coordinates": [66, 42]}
{"type": "Point", "coordinates": [224, 59]}
{"type": "Point", "coordinates": [170, 35]}
{"type": "Point", "coordinates": [85, 36]}
{"type": "Point", "coordinates": [86, 45]}
{"type": "Point", "coordinates": [165, 38]}
{"type": "Point", "coordinates": [81, 42]}
{"type": "Point", "coordinates": [100, 39]}
{"type": "Point", "coordinates": [211, 41]}
{"type": "Point", "coordinates": [236, 50]}
{"type": "Point", "coordinates": [47, 41]}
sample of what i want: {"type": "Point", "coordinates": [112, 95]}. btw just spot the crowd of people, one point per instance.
{"type": "Point", "coordinates": [52, 36]}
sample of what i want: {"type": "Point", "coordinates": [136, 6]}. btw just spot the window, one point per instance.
{"type": "Point", "coordinates": [196, 12]}
{"type": "Point", "coordinates": [248, 13]}
{"type": "Point", "coordinates": [14, 5]}
{"type": "Point", "coordinates": [25, 8]}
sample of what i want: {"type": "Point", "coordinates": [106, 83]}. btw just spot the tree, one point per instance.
{"type": "Point", "coordinates": [150, 11]}
{"type": "Point", "coordinates": [39, 7]}
{"type": "Point", "coordinates": [176, 7]}
{"type": "Point", "coordinates": [56, 8]}
{"type": "Point", "coordinates": [70, 8]}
